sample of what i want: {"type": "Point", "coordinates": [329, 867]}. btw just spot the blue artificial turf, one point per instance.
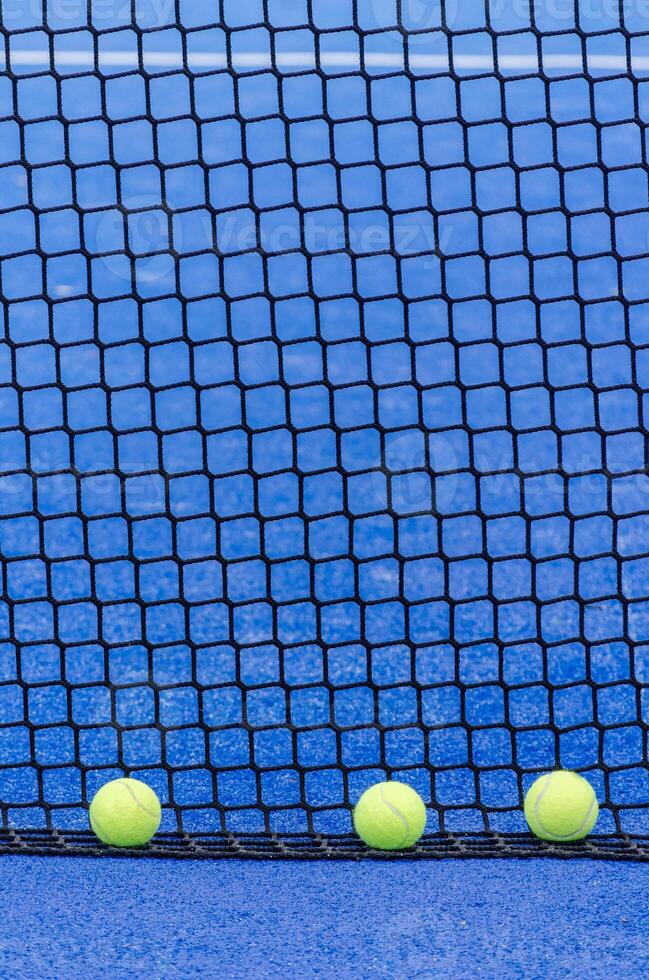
{"type": "Point", "coordinates": [534, 919]}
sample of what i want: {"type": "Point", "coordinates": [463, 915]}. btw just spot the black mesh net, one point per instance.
{"type": "Point", "coordinates": [324, 380]}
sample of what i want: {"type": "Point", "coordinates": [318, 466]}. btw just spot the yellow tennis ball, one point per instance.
{"type": "Point", "coordinates": [561, 806]}
{"type": "Point", "coordinates": [390, 816]}
{"type": "Point", "coordinates": [125, 813]}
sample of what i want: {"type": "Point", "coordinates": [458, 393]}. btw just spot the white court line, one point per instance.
{"type": "Point", "coordinates": [327, 59]}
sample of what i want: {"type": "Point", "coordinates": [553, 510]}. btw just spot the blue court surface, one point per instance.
{"type": "Point", "coordinates": [324, 398]}
{"type": "Point", "coordinates": [520, 920]}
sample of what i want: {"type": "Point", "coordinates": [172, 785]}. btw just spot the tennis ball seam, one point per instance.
{"type": "Point", "coordinates": [397, 813]}
{"type": "Point", "coordinates": [545, 830]}
{"type": "Point", "coordinates": [137, 801]}
{"type": "Point", "coordinates": [99, 830]}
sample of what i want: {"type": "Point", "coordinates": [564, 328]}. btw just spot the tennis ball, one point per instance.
{"type": "Point", "coordinates": [390, 816]}
{"type": "Point", "coordinates": [561, 806]}
{"type": "Point", "coordinates": [125, 813]}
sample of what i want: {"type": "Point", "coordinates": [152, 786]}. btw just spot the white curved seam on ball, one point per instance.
{"type": "Point", "coordinates": [137, 802]}
{"type": "Point", "coordinates": [573, 832]}
{"type": "Point", "coordinates": [397, 814]}
{"type": "Point", "coordinates": [540, 822]}
{"type": "Point", "coordinates": [103, 836]}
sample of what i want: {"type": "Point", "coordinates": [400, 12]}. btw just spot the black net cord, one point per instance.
{"type": "Point", "coordinates": [348, 847]}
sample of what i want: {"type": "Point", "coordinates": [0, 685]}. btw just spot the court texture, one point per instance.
{"type": "Point", "coordinates": [324, 387]}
